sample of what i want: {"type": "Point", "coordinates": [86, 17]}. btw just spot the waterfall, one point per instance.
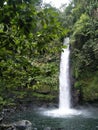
{"type": "Point", "coordinates": [64, 80]}
{"type": "Point", "coordinates": [65, 109]}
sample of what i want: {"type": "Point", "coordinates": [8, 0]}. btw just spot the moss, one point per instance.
{"type": "Point", "coordinates": [89, 86]}
{"type": "Point", "coordinates": [44, 97]}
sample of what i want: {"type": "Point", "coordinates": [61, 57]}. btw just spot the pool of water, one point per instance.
{"type": "Point", "coordinates": [42, 118]}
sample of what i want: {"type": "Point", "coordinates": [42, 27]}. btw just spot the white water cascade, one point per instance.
{"type": "Point", "coordinates": [64, 80]}
{"type": "Point", "coordinates": [64, 109]}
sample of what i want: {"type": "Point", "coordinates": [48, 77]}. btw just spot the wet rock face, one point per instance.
{"type": "Point", "coordinates": [20, 125]}
{"type": "Point", "coordinates": [75, 98]}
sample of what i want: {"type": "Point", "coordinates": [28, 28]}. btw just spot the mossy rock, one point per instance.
{"type": "Point", "coordinates": [89, 87]}
{"type": "Point", "coordinates": [44, 90]}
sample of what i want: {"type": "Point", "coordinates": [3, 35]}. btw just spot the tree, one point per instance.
{"type": "Point", "coordinates": [83, 41]}
{"type": "Point", "coordinates": [26, 32]}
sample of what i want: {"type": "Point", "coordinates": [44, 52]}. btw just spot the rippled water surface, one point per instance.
{"type": "Point", "coordinates": [86, 119]}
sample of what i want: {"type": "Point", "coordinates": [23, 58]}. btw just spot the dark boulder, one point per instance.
{"type": "Point", "coordinates": [20, 125]}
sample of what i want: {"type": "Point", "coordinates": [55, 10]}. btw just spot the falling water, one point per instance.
{"type": "Point", "coordinates": [64, 97]}
{"type": "Point", "coordinates": [65, 109]}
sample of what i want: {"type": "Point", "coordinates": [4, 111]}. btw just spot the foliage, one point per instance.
{"type": "Point", "coordinates": [29, 34]}
{"type": "Point", "coordinates": [84, 40]}
{"type": "Point", "coordinates": [90, 89]}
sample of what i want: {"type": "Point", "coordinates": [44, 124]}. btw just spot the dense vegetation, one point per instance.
{"type": "Point", "coordinates": [30, 45]}
{"type": "Point", "coordinates": [82, 20]}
